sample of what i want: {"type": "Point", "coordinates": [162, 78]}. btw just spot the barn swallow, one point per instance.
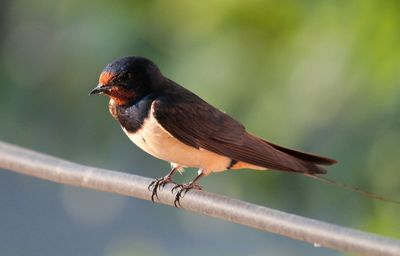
{"type": "Point", "coordinates": [173, 124]}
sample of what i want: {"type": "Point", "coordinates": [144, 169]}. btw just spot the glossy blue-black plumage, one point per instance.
{"type": "Point", "coordinates": [132, 116]}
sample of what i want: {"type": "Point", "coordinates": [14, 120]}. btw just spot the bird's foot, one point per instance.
{"type": "Point", "coordinates": [182, 190]}
{"type": "Point", "coordinates": [157, 184]}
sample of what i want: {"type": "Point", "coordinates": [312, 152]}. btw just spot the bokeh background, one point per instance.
{"type": "Point", "coordinates": [321, 76]}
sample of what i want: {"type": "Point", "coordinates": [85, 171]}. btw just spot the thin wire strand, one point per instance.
{"type": "Point", "coordinates": [352, 188]}
{"type": "Point", "coordinates": [318, 233]}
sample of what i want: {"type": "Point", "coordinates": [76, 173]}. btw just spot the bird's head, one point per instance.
{"type": "Point", "coordinates": [128, 79]}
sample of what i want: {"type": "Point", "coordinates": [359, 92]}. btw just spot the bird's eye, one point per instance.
{"type": "Point", "coordinates": [126, 76]}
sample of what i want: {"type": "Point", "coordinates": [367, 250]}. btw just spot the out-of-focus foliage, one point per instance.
{"type": "Point", "coordinates": [319, 76]}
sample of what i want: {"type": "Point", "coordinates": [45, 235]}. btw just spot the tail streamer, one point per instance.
{"type": "Point", "coordinates": [352, 188]}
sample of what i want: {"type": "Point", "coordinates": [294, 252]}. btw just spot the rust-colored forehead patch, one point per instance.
{"type": "Point", "coordinates": [105, 77]}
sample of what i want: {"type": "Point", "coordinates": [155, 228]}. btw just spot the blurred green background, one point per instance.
{"type": "Point", "coordinates": [321, 76]}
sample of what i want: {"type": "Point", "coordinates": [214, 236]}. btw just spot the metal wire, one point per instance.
{"type": "Point", "coordinates": [308, 230]}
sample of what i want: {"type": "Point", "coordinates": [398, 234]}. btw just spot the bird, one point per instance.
{"type": "Point", "coordinates": [173, 124]}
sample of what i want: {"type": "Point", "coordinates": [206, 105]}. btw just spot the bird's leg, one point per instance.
{"type": "Point", "coordinates": [161, 182]}
{"type": "Point", "coordinates": [184, 188]}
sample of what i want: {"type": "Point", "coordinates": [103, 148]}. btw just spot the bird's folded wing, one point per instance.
{"type": "Point", "coordinates": [198, 124]}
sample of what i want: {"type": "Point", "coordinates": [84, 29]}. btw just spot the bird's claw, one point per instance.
{"type": "Point", "coordinates": [156, 184]}
{"type": "Point", "coordinates": [182, 190]}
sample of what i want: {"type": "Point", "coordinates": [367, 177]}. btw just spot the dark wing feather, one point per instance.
{"type": "Point", "coordinates": [198, 124]}
{"type": "Point", "coordinates": [304, 155]}
{"type": "Point", "coordinates": [194, 121]}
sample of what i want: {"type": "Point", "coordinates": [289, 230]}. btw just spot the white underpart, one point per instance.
{"type": "Point", "coordinates": [156, 141]}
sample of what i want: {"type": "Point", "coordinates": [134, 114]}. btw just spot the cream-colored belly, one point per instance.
{"type": "Point", "coordinates": [156, 141]}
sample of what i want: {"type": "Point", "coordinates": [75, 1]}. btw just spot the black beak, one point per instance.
{"type": "Point", "coordinates": [100, 89]}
